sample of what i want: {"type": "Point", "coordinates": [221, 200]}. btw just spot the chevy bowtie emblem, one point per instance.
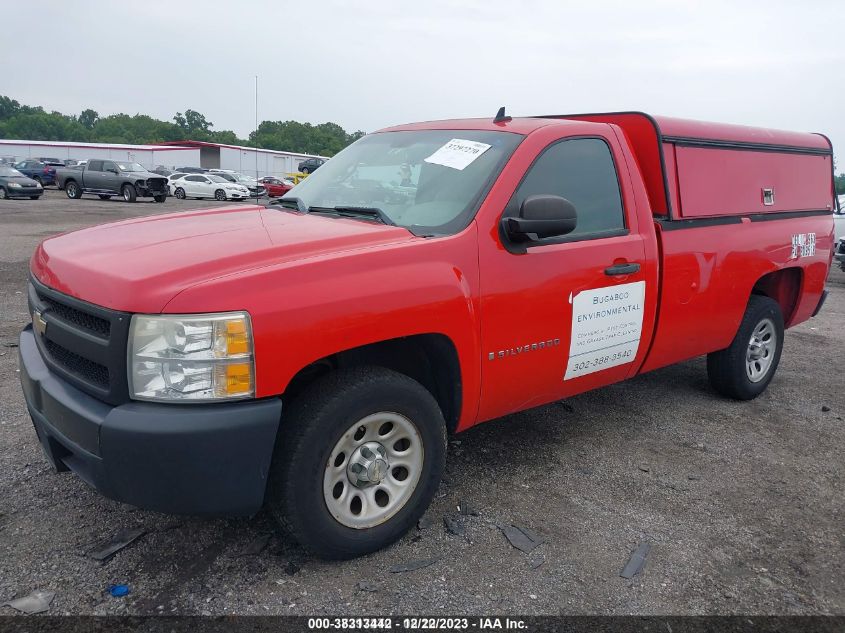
{"type": "Point", "coordinates": [38, 322]}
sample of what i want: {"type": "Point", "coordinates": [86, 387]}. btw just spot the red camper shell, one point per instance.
{"type": "Point", "coordinates": [698, 169]}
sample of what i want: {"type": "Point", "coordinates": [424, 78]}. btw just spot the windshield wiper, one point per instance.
{"type": "Point", "coordinates": [368, 213]}
{"type": "Point", "coordinates": [293, 203]}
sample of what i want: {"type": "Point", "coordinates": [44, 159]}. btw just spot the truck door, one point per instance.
{"type": "Point", "coordinates": [563, 315]}
{"type": "Point", "coordinates": [110, 176]}
{"type": "Point", "coordinates": [93, 175]}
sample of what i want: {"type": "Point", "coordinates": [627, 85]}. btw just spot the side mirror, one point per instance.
{"type": "Point", "coordinates": [541, 216]}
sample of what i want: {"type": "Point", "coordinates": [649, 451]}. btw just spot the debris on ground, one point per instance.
{"type": "Point", "coordinates": [467, 510]}
{"type": "Point", "coordinates": [105, 550]}
{"type": "Point", "coordinates": [424, 523]}
{"type": "Point", "coordinates": [454, 526]}
{"type": "Point", "coordinates": [292, 568]}
{"type": "Point", "coordinates": [637, 561]}
{"type": "Point", "coordinates": [534, 563]}
{"type": "Point", "coordinates": [11, 344]}
{"type": "Point", "coordinates": [118, 591]}
{"type": "Point", "coordinates": [413, 565]}
{"type": "Point", "coordinates": [366, 585]}
{"type": "Point", "coordinates": [644, 467]}
{"type": "Point", "coordinates": [693, 477]}
{"type": "Point", "coordinates": [522, 538]}
{"type": "Point", "coordinates": [36, 602]}
{"type": "Point", "coordinates": [257, 545]}
{"type": "Point", "coordinates": [825, 408]}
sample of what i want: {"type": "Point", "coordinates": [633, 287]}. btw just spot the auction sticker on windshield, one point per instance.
{"type": "Point", "coordinates": [458, 153]}
{"type": "Point", "coordinates": [606, 328]}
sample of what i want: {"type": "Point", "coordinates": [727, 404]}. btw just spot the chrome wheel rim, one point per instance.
{"type": "Point", "coordinates": [71, 190]}
{"type": "Point", "coordinates": [126, 194]}
{"type": "Point", "coordinates": [373, 470]}
{"type": "Point", "coordinates": [761, 350]}
{"type": "Point", "coordinates": [180, 194]}
{"type": "Point", "coordinates": [220, 195]}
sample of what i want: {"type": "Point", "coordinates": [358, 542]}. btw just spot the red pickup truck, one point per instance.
{"type": "Point", "coordinates": [314, 355]}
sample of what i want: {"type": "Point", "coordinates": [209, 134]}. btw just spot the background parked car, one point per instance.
{"type": "Point", "coordinates": [207, 186]}
{"type": "Point", "coordinates": [256, 190]}
{"type": "Point", "coordinates": [40, 172]}
{"type": "Point", "coordinates": [13, 184]}
{"type": "Point", "coordinates": [310, 165]}
{"type": "Point", "coordinates": [161, 170]}
{"type": "Point", "coordinates": [275, 186]}
{"type": "Point", "coordinates": [192, 170]}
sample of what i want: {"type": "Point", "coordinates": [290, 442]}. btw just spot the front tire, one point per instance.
{"type": "Point", "coordinates": [744, 369]}
{"type": "Point", "coordinates": [128, 192]}
{"type": "Point", "coordinates": [305, 170]}
{"type": "Point", "coordinates": [4, 195]}
{"type": "Point", "coordinates": [358, 460]}
{"type": "Point", "coordinates": [220, 195]}
{"type": "Point", "coordinates": [73, 190]}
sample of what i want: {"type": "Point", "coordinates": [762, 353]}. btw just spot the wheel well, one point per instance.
{"type": "Point", "coordinates": [430, 359]}
{"type": "Point", "coordinates": [784, 286]}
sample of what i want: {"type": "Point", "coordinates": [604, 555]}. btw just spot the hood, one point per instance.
{"type": "Point", "coordinates": [25, 181]}
{"type": "Point", "coordinates": [144, 175]}
{"type": "Point", "coordinates": [139, 265]}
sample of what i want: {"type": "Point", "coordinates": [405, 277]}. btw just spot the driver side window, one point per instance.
{"type": "Point", "coordinates": [582, 171]}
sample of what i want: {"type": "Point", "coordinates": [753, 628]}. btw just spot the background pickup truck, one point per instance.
{"type": "Point", "coordinates": [108, 178]}
{"type": "Point", "coordinates": [314, 355]}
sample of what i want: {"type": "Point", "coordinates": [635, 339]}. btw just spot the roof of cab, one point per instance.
{"type": "Point", "coordinates": [516, 125]}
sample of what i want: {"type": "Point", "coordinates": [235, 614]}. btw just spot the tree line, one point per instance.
{"type": "Point", "coordinates": [36, 124]}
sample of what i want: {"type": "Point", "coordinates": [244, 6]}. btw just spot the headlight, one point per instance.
{"type": "Point", "coordinates": [14, 185]}
{"type": "Point", "coordinates": [203, 357]}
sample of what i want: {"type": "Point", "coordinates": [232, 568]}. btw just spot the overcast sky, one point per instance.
{"type": "Point", "coordinates": [371, 64]}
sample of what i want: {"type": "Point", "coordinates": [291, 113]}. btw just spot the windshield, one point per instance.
{"type": "Point", "coordinates": [10, 173]}
{"type": "Point", "coordinates": [215, 178]}
{"type": "Point", "coordinates": [130, 167]}
{"type": "Point", "coordinates": [428, 181]}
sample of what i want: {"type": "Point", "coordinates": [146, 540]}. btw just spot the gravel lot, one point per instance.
{"type": "Point", "coordinates": [742, 502]}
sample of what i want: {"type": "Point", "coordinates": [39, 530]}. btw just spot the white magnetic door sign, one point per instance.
{"type": "Point", "coordinates": [606, 327]}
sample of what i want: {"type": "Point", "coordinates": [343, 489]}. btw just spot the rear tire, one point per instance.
{"type": "Point", "coordinates": [744, 369]}
{"type": "Point", "coordinates": [305, 170]}
{"type": "Point", "coordinates": [72, 190]}
{"type": "Point", "coordinates": [38, 180]}
{"type": "Point", "coordinates": [103, 197]}
{"type": "Point", "coordinates": [320, 448]}
{"type": "Point", "coordinates": [128, 192]}
{"type": "Point", "coordinates": [160, 198]}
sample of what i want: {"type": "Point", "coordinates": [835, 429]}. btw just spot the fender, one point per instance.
{"type": "Point", "coordinates": [305, 310]}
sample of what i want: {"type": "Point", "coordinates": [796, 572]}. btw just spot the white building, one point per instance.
{"type": "Point", "coordinates": [148, 155]}
{"type": "Point", "coordinates": [245, 160]}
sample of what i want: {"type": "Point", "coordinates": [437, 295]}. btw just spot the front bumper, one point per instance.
{"type": "Point", "coordinates": [180, 459]}
{"type": "Point", "coordinates": [24, 192]}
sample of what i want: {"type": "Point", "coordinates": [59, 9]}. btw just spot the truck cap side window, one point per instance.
{"type": "Point", "coordinates": [582, 171]}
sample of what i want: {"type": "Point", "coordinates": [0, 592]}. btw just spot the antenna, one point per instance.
{"type": "Point", "coordinates": [501, 117]}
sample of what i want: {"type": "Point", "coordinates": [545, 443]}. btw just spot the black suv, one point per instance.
{"type": "Point", "coordinates": [310, 165]}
